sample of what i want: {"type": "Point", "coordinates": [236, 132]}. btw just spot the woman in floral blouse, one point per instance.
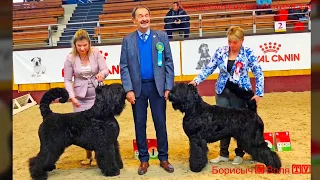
{"type": "Point", "coordinates": [234, 62]}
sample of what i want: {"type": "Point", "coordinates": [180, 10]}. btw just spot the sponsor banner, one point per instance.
{"type": "Point", "coordinates": [46, 66]}
{"type": "Point", "coordinates": [274, 52]}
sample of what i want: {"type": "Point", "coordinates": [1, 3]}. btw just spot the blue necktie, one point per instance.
{"type": "Point", "coordinates": [143, 37]}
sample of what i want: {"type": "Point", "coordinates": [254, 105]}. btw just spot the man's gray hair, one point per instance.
{"type": "Point", "coordinates": [138, 7]}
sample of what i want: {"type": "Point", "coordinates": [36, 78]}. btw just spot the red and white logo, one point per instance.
{"type": "Point", "coordinates": [113, 69]}
{"type": "Point", "coordinates": [272, 53]}
{"type": "Point", "coordinates": [270, 47]}
{"type": "Point", "coordinates": [105, 54]}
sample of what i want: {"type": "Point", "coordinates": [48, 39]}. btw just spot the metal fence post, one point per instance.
{"type": "Point", "coordinates": [50, 35]}
{"type": "Point", "coordinates": [99, 35]}
{"type": "Point", "coordinates": [200, 25]}
{"type": "Point", "coordinates": [309, 22]}
{"type": "Point", "coordinates": [254, 25]}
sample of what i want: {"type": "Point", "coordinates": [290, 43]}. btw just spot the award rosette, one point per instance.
{"type": "Point", "coordinates": [239, 65]}
{"type": "Point", "coordinates": [160, 48]}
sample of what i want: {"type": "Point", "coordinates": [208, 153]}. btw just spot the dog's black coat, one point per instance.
{"type": "Point", "coordinates": [95, 129]}
{"type": "Point", "coordinates": [243, 94]}
{"type": "Point", "coordinates": [204, 123]}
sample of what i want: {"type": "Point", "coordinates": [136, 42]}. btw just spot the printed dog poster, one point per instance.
{"type": "Point", "coordinates": [204, 56]}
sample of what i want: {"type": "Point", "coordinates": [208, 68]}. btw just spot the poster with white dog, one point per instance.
{"type": "Point", "coordinates": [39, 66]}
{"type": "Point", "coordinates": [47, 65]}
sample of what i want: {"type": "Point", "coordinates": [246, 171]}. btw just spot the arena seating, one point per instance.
{"type": "Point", "coordinates": [28, 16]}
{"type": "Point", "coordinates": [152, 5]}
{"type": "Point", "coordinates": [121, 1]}
{"type": "Point", "coordinates": [121, 24]}
{"type": "Point", "coordinates": [115, 20]}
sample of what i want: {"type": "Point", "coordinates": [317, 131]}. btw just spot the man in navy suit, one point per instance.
{"type": "Point", "coordinates": [147, 74]}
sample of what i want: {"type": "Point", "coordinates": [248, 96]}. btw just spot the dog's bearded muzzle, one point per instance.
{"type": "Point", "coordinates": [120, 103]}
{"type": "Point", "coordinates": [176, 103]}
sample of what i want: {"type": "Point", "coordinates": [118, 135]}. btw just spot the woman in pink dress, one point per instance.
{"type": "Point", "coordinates": [89, 68]}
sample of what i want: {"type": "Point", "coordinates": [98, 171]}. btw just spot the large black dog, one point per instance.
{"type": "Point", "coordinates": [204, 123]}
{"type": "Point", "coordinates": [95, 129]}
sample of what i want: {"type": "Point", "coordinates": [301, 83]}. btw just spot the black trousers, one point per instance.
{"type": "Point", "coordinates": [228, 99]}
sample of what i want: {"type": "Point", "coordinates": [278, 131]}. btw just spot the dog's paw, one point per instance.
{"type": "Point", "coordinates": [121, 166]}
{"type": "Point", "coordinates": [50, 168]}
{"type": "Point", "coordinates": [196, 168]}
{"type": "Point", "coordinates": [111, 173]}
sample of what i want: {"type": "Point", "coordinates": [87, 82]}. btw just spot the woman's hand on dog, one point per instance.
{"type": "Point", "coordinates": [130, 97]}
{"type": "Point", "coordinates": [193, 83]}
{"type": "Point", "coordinates": [100, 77]}
{"type": "Point", "coordinates": [257, 98]}
{"type": "Point", "coordinates": [75, 102]}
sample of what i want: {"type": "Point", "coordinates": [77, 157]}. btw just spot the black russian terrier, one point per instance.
{"type": "Point", "coordinates": [95, 129]}
{"type": "Point", "coordinates": [204, 123]}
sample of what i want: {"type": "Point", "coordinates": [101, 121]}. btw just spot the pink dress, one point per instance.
{"type": "Point", "coordinates": [87, 101]}
{"type": "Point", "coordinates": [85, 82]}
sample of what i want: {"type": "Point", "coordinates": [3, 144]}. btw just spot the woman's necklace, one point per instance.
{"type": "Point", "coordinates": [83, 60]}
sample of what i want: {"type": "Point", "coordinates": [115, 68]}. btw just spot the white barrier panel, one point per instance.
{"type": "Point", "coordinates": [52, 61]}
{"type": "Point", "coordinates": [275, 52]}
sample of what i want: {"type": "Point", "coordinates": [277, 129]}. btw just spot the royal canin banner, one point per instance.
{"type": "Point", "coordinates": [274, 52]}
{"type": "Point", "coordinates": [46, 65]}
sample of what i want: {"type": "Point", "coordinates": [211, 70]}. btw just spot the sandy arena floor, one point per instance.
{"type": "Point", "coordinates": [280, 112]}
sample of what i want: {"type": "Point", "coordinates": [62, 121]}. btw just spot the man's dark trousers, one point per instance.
{"type": "Point", "coordinates": [158, 111]}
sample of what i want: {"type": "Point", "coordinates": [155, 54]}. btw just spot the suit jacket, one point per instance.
{"type": "Point", "coordinates": [97, 63]}
{"type": "Point", "coordinates": [130, 63]}
{"type": "Point", "coordinates": [220, 60]}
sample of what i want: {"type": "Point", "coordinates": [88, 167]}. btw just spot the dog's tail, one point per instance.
{"type": "Point", "coordinates": [49, 97]}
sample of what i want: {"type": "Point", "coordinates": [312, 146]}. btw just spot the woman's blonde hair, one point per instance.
{"type": "Point", "coordinates": [78, 36]}
{"type": "Point", "coordinates": [235, 33]}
